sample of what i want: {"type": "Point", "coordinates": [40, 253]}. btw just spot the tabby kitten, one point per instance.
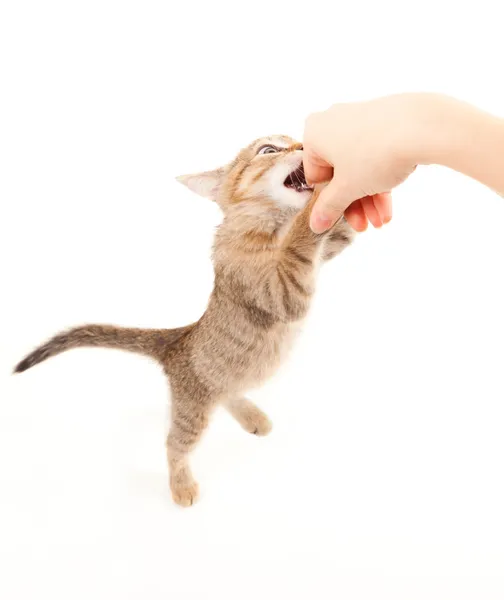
{"type": "Point", "coordinates": [265, 260]}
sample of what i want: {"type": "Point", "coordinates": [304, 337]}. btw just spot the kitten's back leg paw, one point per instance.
{"type": "Point", "coordinates": [184, 494]}
{"type": "Point", "coordinates": [189, 420]}
{"type": "Point", "coordinates": [250, 417]}
{"type": "Point", "coordinates": [184, 489]}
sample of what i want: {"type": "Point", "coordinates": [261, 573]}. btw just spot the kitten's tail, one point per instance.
{"type": "Point", "coordinates": [150, 342]}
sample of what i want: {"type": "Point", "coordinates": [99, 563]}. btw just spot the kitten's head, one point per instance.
{"type": "Point", "coordinates": [266, 176]}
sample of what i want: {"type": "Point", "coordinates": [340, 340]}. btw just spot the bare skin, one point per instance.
{"type": "Point", "coordinates": [366, 149]}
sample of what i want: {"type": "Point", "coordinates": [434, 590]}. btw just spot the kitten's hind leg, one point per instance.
{"type": "Point", "coordinates": [250, 417]}
{"type": "Point", "coordinates": [189, 420]}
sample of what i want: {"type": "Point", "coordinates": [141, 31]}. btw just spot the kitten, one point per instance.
{"type": "Point", "coordinates": [265, 260]}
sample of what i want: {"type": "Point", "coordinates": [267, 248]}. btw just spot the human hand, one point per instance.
{"type": "Point", "coordinates": [362, 150]}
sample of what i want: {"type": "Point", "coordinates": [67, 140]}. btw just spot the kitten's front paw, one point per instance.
{"type": "Point", "coordinates": [185, 494]}
{"type": "Point", "coordinates": [343, 230]}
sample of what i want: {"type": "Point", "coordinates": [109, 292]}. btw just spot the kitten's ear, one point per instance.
{"type": "Point", "coordinates": [205, 184]}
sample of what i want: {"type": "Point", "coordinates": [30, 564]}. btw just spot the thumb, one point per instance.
{"type": "Point", "coordinates": [329, 208]}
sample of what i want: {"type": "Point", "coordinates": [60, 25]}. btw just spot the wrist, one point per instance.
{"type": "Point", "coordinates": [456, 135]}
{"type": "Point", "coordinates": [429, 128]}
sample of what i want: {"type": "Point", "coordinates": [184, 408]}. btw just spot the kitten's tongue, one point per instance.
{"type": "Point", "coordinates": [297, 180]}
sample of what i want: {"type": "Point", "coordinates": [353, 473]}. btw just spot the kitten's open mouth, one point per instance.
{"type": "Point", "coordinates": [297, 180]}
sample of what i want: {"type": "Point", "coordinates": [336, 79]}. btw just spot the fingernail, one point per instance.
{"type": "Point", "coordinates": [320, 223]}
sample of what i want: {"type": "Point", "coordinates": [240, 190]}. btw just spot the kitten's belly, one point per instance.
{"type": "Point", "coordinates": [275, 350]}
{"type": "Point", "coordinates": [228, 368]}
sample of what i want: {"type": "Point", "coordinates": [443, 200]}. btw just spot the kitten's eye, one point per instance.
{"type": "Point", "coordinates": [267, 150]}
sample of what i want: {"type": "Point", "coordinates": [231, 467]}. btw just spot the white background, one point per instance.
{"type": "Point", "coordinates": [383, 476]}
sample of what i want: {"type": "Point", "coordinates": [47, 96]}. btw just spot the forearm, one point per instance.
{"type": "Point", "coordinates": [463, 138]}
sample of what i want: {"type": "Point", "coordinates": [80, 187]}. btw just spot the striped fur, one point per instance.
{"type": "Point", "coordinates": [265, 259]}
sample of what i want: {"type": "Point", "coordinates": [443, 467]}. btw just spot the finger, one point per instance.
{"type": "Point", "coordinates": [356, 216]}
{"type": "Point", "coordinates": [317, 170]}
{"type": "Point", "coordinates": [383, 204]}
{"type": "Point", "coordinates": [371, 213]}
{"type": "Point", "coordinates": [328, 208]}
{"type": "Point", "coordinates": [315, 173]}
